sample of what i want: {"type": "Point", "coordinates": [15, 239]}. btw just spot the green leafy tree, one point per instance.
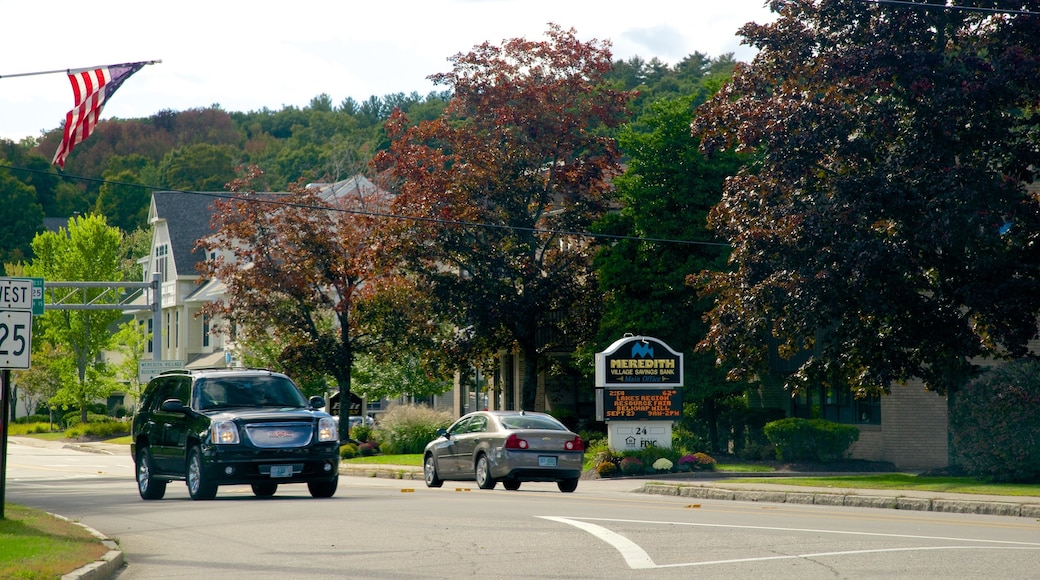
{"type": "Point", "coordinates": [87, 251]}
{"type": "Point", "coordinates": [22, 217]}
{"type": "Point", "coordinates": [886, 232]}
{"type": "Point", "coordinates": [304, 271]}
{"type": "Point", "coordinates": [402, 376]}
{"type": "Point", "coordinates": [518, 158]}
{"type": "Point", "coordinates": [198, 167]}
{"type": "Point", "coordinates": [124, 204]}
{"type": "Point", "coordinates": [131, 341]}
{"type": "Point", "coordinates": [50, 369]}
{"type": "Point", "coordinates": [666, 193]}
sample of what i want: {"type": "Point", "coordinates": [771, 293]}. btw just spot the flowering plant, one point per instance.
{"type": "Point", "coordinates": [631, 466]}
{"type": "Point", "coordinates": [697, 461]}
{"type": "Point", "coordinates": [663, 464]}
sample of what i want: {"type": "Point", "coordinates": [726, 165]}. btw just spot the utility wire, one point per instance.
{"type": "Point", "coordinates": [438, 221]}
{"type": "Point", "coordinates": [929, 6]}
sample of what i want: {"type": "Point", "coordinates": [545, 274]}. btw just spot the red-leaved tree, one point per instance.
{"type": "Point", "coordinates": [498, 185]}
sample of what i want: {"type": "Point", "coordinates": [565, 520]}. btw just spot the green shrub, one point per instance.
{"type": "Point", "coordinates": [994, 421]}
{"type": "Point", "coordinates": [408, 428]}
{"type": "Point", "coordinates": [348, 451]}
{"type": "Point", "coordinates": [361, 433]}
{"type": "Point", "coordinates": [810, 439]}
{"type": "Point", "coordinates": [102, 429]}
{"type": "Point", "coordinates": [28, 428]}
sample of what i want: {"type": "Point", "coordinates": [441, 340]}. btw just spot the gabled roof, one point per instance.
{"type": "Point", "coordinates": [187, 218]}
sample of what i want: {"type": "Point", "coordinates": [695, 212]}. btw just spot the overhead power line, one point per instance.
{"type": "Point", "coordinates": [438, 221]}
{"type": "Point", "coordinates": [954, 7]}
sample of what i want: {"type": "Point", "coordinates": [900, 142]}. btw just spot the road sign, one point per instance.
{"type": "Point", "coordinates": [147, 369]}
{"type": "Point", "coordinates": [16, 294]}
{"type": "Point", "coordinates": [15, 339]}
{"type": "Point", "coordinates": [37, 295]}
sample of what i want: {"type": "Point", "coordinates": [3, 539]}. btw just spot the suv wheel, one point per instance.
{"type": "Point", "coordinates": [323, 488]}
{"type": "Point", "coordinates": [265, 489]}
{"type": "Point", "coordinates": [148, 487]}
{"type": "Point", "coordinates": [199, 486]}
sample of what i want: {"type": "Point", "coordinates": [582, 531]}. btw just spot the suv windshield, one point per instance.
{"type": "Point", "coordinates": [246, 391]}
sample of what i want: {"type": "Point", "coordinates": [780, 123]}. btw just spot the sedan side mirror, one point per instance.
{"type": "Point", "coordinates": [443, 433]}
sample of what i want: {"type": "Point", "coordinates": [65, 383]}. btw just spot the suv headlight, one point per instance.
{"type": "Point", "coordinates": [224, 433]}
{"type": "Point", "coordinates": [327, 429]}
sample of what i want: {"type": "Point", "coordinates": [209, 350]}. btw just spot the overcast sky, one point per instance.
{"type": "Point", "coordinates": [245, 56]}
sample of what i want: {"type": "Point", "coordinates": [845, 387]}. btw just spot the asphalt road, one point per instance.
{"type": "Point", "coordinates": [398, 529]}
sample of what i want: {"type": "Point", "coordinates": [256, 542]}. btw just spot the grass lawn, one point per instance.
{"type": "Point", "coordinates": [412, 459]}
{"type": "Point", "coordinates": [35, 545]}
{"type": "Point", "coordinates": [906, 481]}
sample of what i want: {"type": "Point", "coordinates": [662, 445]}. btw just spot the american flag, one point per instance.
{"type": "Point", "coordinates": [92, 88]}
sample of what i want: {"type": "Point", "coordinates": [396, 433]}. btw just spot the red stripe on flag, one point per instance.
{"type": "Point", "coordinates": [88, 91]}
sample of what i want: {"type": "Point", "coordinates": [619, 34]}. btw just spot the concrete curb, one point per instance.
{"type": "Point", "coordinates": [897, 502]}
{"type": "Point", "coordinates": [105, 567]}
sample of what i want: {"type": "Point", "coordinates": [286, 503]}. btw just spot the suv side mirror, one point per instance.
{"type": "Point", "coordinates": [316, 402]}
{"type": "Point", "coordinates": [173, 406]}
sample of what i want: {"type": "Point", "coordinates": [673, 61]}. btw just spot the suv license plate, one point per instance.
{"type": "Point", "coordinates": [281, 471]}
{"type": "Point", "coordinates": [545, 461]}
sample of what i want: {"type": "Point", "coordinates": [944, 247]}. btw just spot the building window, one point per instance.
{"type": "Point", "coordinates": [836, 404]}
{"type": "Point", "coordinates": [161, 258]}
{"type": "Point", "coordinates": [150, 335]}
{"type": "Point", "coordinates": [205, 330]}
{"type": "Point", "coordinates": [167, 330]}
{"type": "Point", "coordinates": [177, 329]}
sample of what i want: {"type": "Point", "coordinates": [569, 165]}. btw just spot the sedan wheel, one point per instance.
{"type": "Point", "coordinates": [567, 485]}
{"type": "Point", "coordinates": [148, 487]}
{"type": "Point", "coordinates": [199, 486]}
{"type": "Point", "coordinates": [430, 471]}
{"type": "Point", "coordinates": [264, 489]}
{"type": "Point", "coordinates": [483, 473]}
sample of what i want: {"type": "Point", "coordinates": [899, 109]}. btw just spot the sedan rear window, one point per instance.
{"type": "Point", "coordinates": [531, 422]}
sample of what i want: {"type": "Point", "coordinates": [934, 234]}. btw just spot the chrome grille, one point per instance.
{"type": "Point", "coordinates": [280, 435]}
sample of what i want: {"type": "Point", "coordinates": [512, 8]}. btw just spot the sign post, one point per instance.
{"type": "Point", "coordinates": [16, 310]}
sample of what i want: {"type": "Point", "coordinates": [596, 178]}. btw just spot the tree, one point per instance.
{"type": "Point", "coordinates": [517, 160]}
{"type": "Point", "coordinates": [124, 204]}
{"type": "Point", "coordinates": [22, 217]}
{"type": "Point", "coordinates": [305, 271]}
{"type": "Point", "coordinates": [51, 368]}
{"type": "Point", "coordinates": [886, 232]}
{"type": "Point", "coordinates": [131, 341]}
{"type": "Point", "coordinates": [89, 250]}
{"type": "Point", "coordinates": [666, 193]}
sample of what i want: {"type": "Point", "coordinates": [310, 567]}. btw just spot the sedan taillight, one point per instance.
{"type": "Point", "coordinates": [574, 445]}
{"type": "Point", "coordinates": [514, 442]}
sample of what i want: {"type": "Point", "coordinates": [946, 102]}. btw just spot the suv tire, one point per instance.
{"type": "Point", "coordinates": [147, 486]}
{"type": "Point", "coordinates": [199, 485]}
{"type": "Point", "coordinates": [323, 488]}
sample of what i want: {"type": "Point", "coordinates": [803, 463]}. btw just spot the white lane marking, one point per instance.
{"type": "Point", "coordinates": [635, 556]}
{"type": "Point", "coordinates": [638, 559]}
{"type": "Point", "coordinates": [816, 531]}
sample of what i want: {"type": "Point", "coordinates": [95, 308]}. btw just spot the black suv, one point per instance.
{"type": "Point", "coordinates": [232, 426]}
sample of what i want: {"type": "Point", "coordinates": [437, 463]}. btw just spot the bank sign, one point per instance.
{"type": "Point", "coordinates": [635, 361]}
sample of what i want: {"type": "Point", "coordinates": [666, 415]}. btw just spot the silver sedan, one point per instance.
{"type": "Point", "coordinates": [507, 446]}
